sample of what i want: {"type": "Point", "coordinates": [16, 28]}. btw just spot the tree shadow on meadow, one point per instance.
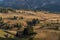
{"type": "Point", "coordinates": [7, 38]}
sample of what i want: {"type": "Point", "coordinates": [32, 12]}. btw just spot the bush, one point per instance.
{"type": "Point", "coordinates": [15, 17]}
{"type": "Point", "coordinates": [5, 26]}
{"type": "Point", "coordinates": [0, 18]}
{"type": "Point", "coordinates": [18, 25]}
{"type": "Point", "coordinates": [25, 32]}
{"type": "Point", "coordinates": [33, 22]}
{"type": "Point", "coordinates": [48, 25]}
{"type": "Point", "coordinates": [10, 9]}
{"type": "Point", "coordinates": [3, 10]}
{"type": "Point", "coordinates": [21, 18]}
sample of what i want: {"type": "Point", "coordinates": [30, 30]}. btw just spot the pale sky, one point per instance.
{"type": "Point", "coordinates": [1, 0]}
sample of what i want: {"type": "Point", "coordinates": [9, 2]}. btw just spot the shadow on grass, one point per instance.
{"type": "Point", "coordinates": [9, 33]}
{"type": "Point", "coordinates": [7, 38]}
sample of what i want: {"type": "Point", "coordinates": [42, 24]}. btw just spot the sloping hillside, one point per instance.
{"type": "Point", "coordinates": [12, 21]}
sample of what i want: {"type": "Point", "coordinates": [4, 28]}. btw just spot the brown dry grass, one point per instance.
{"type": "Point", "coordinates": [29, 15]}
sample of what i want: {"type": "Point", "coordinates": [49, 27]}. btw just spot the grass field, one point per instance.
{"type": "Point", "coordinates": [42, 34]}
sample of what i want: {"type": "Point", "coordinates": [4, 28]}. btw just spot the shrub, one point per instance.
{"type": "Point", "coordinates": [3, 10]}
{"type": "Point", "coordinates": [17, 34]}
{"type": "Point", "coordinates": [0, 18]}
{"type": "Point", "coordinates": [15, 17]}
{"type": "Point", "coordinates": [10, 9]}
{"type": "Point", "coordinates": [33, 22]}
{"type": "Point", "coordinates": [6, 35]}
{"type": "Point", "coordinates": [21, 17]}
{"type": "Point", "coordinates": [29, 31]}
{"type": "Point", "coordinates": [18, 25]}
{"type": "Point", "coordinates": [29, 23]}
{"type": "Point", "coordinates": [25, 32]}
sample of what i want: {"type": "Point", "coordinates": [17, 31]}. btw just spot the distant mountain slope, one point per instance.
{"type": "Point", "coordinates": [50, 5]}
